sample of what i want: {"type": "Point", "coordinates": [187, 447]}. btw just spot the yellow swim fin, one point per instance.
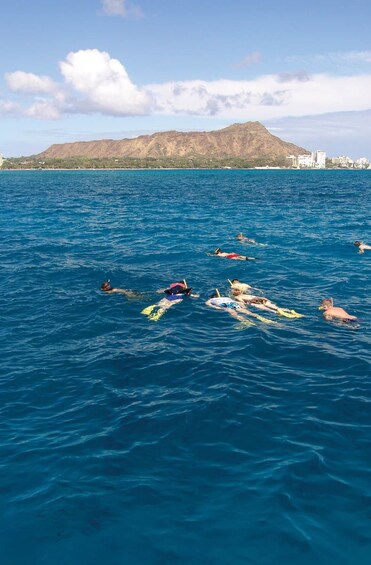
{"type": "Point", "coordinates": [157, 315]}
{"type": "Point", "coordinates": [147, 311]}
{"type": "Point", "coordinates": [289, 313]}
{"type": "Point", "coordinates": [243, 325]}
{"type": "Point", "coordinates": [265, 320]}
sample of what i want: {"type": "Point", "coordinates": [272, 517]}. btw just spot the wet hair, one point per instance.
{"type": "Point", "coordinates": [106, 286]}
{"type": "Point", "coordinates": [357, 243]}
{"type": "Point", "coordinates": [217, 250]}
{"type": "Point", "coordinates": [326, 303]}
{"type": "Point", "coordinates": [235, 281]}
{"type": "Point", "coordinates": [214, 295]}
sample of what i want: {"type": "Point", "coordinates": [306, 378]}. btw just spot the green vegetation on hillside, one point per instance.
{"type": "Point", "coordinates": [148, 163]}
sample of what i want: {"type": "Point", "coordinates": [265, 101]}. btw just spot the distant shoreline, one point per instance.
{"type": "Point", "coordinates": [2, 169]}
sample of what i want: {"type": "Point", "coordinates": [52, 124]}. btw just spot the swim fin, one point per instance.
{"type": "Point", "coordinates": [157, 315]}
{"type": "Point", "coordinates": [243, 325]}
{"type": "Point", "coordinates": [289, 313]}
{"type": "Point", "coordinates": [265, 320]}
{"type": "Point", "coordinates": [147, 311]}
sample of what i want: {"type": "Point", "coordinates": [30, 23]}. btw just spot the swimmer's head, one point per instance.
{"type": "Point", "coordinates": [239, 235]}
{"type": "Point", "coordinates": [357, 243]}
{"type": "Point", "coordinates": [235, 281]}
{"type": "Point", "coordinates": [236, 291]}
{"type": "Point", "coordinates": [217, 251]}
{"type": "Point", "coordinates": [214, 295]}
{"type": "Point", "coordinates": [105, 286]}
{"type": "Point", "coordinates": [326, 303]}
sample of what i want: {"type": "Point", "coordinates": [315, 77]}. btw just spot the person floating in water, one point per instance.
{"type": "Point", "coordinates": [176, 292]}
{"type": "Point", "coordinates": [106, 287]}
{"type": "Point", "coordinates": [219, 253]}
{"type": "Point", "coordinates": [331, 311]}
{"type": "Point", "coordinates": [261, 302]}
{"type": "Point", "coordinates": [233, 308]}
{"type": "Point", "coordinates": [361, 246]}
{"type": "Point", "coordinates": [243, 287]}
{"type": "Point", "coordinates": [243, 239]}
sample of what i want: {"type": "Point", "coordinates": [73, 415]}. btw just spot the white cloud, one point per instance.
{"type": "Point", "coordinates": [269, 96]}
{"type": "Point", "coordinates": [250, 59]}
{"type": "Point", "coordinates": [104, 83]}
{"type": "Point", "coordinates": [7, 107]}
{"type": "Point", "coordinates": [354, 56]}
{"type": "Point", "coordinates": [335, 58]}
{"type": "Point", "coordinates": [43, 110]}
{"type": "Point", "coordinates": [30, 83]}
{"type": "Point", "coordinates": [120, 8]}
{"type": "Point", "coordinates": [93, 82]}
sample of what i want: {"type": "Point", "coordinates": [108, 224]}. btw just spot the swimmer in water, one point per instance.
{"type": "Point", "coordinates": [238, 285]}
{"type": "Point", "coordinates": [361, 246]}
{"type": "Point", "coordinates": [262, 303]}
{"type": "Point", "coordinates": [243, 239]}
{"type": "Point", "coordinates": [236, 256]}
{"type": "Point", "coordinates": [331, 312]}
{"type": "Point", "coordinates": [176, 293]}
{"type": "Point", "coordinates": [233, 307]}
{"type": "Point", "coordinates": [106, 287]}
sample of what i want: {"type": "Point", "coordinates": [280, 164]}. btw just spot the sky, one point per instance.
{"type": "Point", "coordinates": [80, 70]}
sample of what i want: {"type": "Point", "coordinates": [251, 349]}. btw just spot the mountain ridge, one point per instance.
{"type": "Point", "coordinates": [249, 140]}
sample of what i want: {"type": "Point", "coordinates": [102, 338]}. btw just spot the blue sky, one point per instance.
{"type": "Point", "coordinates": [94, 69]}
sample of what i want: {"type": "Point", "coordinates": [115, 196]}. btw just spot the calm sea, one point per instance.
{"type": "Point", "coordinates": [187, 440]}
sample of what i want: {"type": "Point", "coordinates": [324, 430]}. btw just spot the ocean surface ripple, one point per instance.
{"type": "Point", "coordinates": [191, 440]}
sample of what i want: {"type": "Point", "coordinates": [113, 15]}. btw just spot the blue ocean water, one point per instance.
{"type": "Point", "coordinates": [187, 440]}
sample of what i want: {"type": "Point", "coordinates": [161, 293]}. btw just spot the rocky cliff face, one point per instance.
{"type": "Point", "coordinates": [250, 140]}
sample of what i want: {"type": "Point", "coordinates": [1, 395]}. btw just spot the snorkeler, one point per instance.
{"type": "Point", "coordinates": [238, 285]}
{"type": "Point", "coordinates": [331, 311]}
{"type": "Point", "coordinates": [361, 246]}
{"type": "Point", "coordinates": [261, 302]}
{"type": "Point", "coordinates": [243, 239]}
{"type": "Point", "coordinates": [176, 292]}
{"type": "Point", "coordinates": [106, 287]}
{"type": "Point", "coordinates": [219, 253]}
{"type": "Point", "coordinates": [233, 308]}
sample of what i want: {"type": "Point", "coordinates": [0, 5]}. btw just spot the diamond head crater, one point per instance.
{"type": "Point", "coordinates": [245, 145]}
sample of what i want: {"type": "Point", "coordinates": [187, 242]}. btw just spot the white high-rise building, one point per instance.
{"type": "Point", "coordinates": [361, 163]}
{"type": "Point", "coordinates": [1, 160]}
{"type": "Point", "coordinates": [319, 158]}
{"type": "Point", "coordinates": [305, 161]}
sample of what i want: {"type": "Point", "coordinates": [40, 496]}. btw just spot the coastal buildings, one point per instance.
{"type": "Point", "coordinates": [1, 160]}
{"type": "Point", "coordinates": [344, 162]}
{"type": "Point", "coordinates": [317, 160]}
{"type": "Point", "coordinates": [314, 160]}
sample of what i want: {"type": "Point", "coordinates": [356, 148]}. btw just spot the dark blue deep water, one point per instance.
{"type": "Point", "coordinates": [187, 440]}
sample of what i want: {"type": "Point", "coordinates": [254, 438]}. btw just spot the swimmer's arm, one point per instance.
{"type": "Point", "coordinates": [121, 290]}
{"type": "Point", "coordinates": [254, 288]}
